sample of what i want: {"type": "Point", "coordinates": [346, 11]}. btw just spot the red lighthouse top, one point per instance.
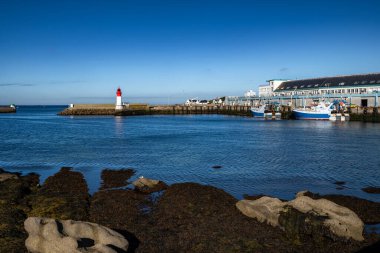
{"type": "Point", "coordinates": [118, 92]}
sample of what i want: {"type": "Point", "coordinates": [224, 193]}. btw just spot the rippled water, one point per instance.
{"type": "Point", "coordinates": [270, 157]}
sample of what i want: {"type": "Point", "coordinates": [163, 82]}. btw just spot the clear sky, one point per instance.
{"type": "Point", "coordinates": [60, 52]}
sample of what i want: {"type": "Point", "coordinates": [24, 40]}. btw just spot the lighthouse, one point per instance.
{"type": "Point", "coordinates": [119, 105]}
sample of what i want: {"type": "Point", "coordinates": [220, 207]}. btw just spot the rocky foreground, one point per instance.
{"type": "Point", "coordinates": [149, 216]}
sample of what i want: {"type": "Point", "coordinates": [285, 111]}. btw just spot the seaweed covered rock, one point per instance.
{"type": "Point", "coordinates": [62, 236]}
{"type": "Point", "coordinates": [62, 196]}
{"type": "Point", "coordinates": [13, 208]}
{"type": "Point", "coordinates": [6, 176]}
{"type": "Point", "coordinates": [190, 217]}
{"type": "Point", "coordinates": [115, 178]}
{"type": "Point", "coordinates": [368, 211]}
{"type": "Point", "coordinates": [339, 220]}
{"type": "Point", "coordinates": [118, 209]}
{"type": "Point", "coordinates": [147, 185]}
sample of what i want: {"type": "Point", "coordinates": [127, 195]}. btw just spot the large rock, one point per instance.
{"type": "Point", "coordinates": [339, 220]}
{"type": "Point", "coordinates": [264, 209]}
{"type": "Point", "coordinates": [62, 236]}
{"type": "Point", "coordinates": [6, 176]}
{"type": "Point", "coordinates": [63, 196]}
{"type": "Point", "coordinates": [147, 185]}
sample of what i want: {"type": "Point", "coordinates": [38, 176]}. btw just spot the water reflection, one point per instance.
{"type": "Point", "coordinates": [119, 125]}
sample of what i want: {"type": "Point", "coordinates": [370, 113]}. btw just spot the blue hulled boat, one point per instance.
{"type": "Point", "coordinates": [319, 112]}
{"type": "Point", "coordinates": [258, 112]}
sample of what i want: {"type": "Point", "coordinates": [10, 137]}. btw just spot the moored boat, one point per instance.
{"type": "Point", "coordinates": [259, 112]}
{"type": "Point", "coordinates": [319, 112]}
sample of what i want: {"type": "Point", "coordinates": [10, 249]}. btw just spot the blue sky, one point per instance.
{"type": "Point", "coordinates": [60, 52]}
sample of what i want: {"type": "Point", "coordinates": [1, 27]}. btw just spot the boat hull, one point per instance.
{"type": "Point", "coordinates": [311, 115]}
{"type": "Point", "coordinates": [258, 114]}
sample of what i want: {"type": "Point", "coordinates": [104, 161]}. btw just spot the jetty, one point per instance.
{"type": "Point", "coordinates": [146, 109]}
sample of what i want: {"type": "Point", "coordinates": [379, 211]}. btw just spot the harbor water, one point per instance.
{"type": "Point", "coordinates": [277, 158]}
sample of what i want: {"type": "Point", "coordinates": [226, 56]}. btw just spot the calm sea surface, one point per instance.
{"type": "Point", "coordinates": [277, 158]}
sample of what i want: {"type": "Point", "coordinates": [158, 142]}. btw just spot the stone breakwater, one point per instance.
{"type": "Point", "coordinates": [136, 110]}
{"type": "Point", "coordinates": [155, 217]}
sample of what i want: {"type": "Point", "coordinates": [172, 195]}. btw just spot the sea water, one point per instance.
{"type": "Point", "coordinates": [277, 158]}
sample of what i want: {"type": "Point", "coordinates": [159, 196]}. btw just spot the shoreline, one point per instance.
{"type": "Point", "coordinates": [180, 217]}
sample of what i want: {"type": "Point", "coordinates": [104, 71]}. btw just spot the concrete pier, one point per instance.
{"type": "Point", "coordinates": [143, 109]}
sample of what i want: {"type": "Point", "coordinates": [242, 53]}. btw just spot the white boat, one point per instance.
{"type": "Point", "coordinates": [319, 112]}
{"type": "Point", "coordinates": [259, 112]}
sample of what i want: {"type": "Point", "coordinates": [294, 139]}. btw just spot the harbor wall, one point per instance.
{"type": "Point", "coordinates": [365, 114]}
{"type": "Point", "coordinates": [144, 109]}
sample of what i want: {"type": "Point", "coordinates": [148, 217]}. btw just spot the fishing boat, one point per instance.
{"type": "Point", "coordinates": [259, 112]}
{"type": "Point", "coordinates": [319, 112]}
{"type": "Point", "coordinates": [267, 111]}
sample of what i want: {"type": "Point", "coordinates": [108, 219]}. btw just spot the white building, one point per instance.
{"type": "Point", "coordinates": [266, 90]}
{"type": "Point", "coordinates": [361, 89]}
{"type": "Point", "coordinates": [250, 93]}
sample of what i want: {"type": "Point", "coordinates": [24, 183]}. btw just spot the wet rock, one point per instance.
{"type": "Point", "coordinates": [339, 220]}
{"type": "Point", "coordinates": [115, 178]}
{"type": "Point", "coordinates": [368, 211]}
{"type": "Point", "coordinates": [253, 197]}
{"type": "Point", "coordinates": [13, 208]}
{"type": "Point", "coordinates": [118, 209]}
{"type": "Point", "coordinates": [303, 226]}
{"type": "Point", "coordinates": [264, 209]}
{"type": "Point", "coordinates": [61, 236]}
{"type": "Point", "coordinates": [197, 218]}
{"type": "Point", "coordinates": [339, 182]}
{"type": "Point", "coordinates": [6, 176]}
{"type": "Point", "coordinates": [216, 167]}
{"type": "Point", "coordinates": [147, 185]}
{"type": "Point", "coordinates": [62, 196]}
{"type": "Point", "coordinates": [374, 190]}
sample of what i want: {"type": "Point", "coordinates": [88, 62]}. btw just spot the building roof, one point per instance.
{"type": "Point", "coordinates": [331, 82]}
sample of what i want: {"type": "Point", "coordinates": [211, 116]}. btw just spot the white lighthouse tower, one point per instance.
{"type": "Point", "coordinates": [119, 105]}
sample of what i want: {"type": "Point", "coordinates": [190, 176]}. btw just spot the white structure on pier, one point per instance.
{"type": "Point", "coordinates": [119, 104]}
{"type": "Point", "coordinates": [250, 93]}
{"type": "Point", "coordinates": [266, 90]}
